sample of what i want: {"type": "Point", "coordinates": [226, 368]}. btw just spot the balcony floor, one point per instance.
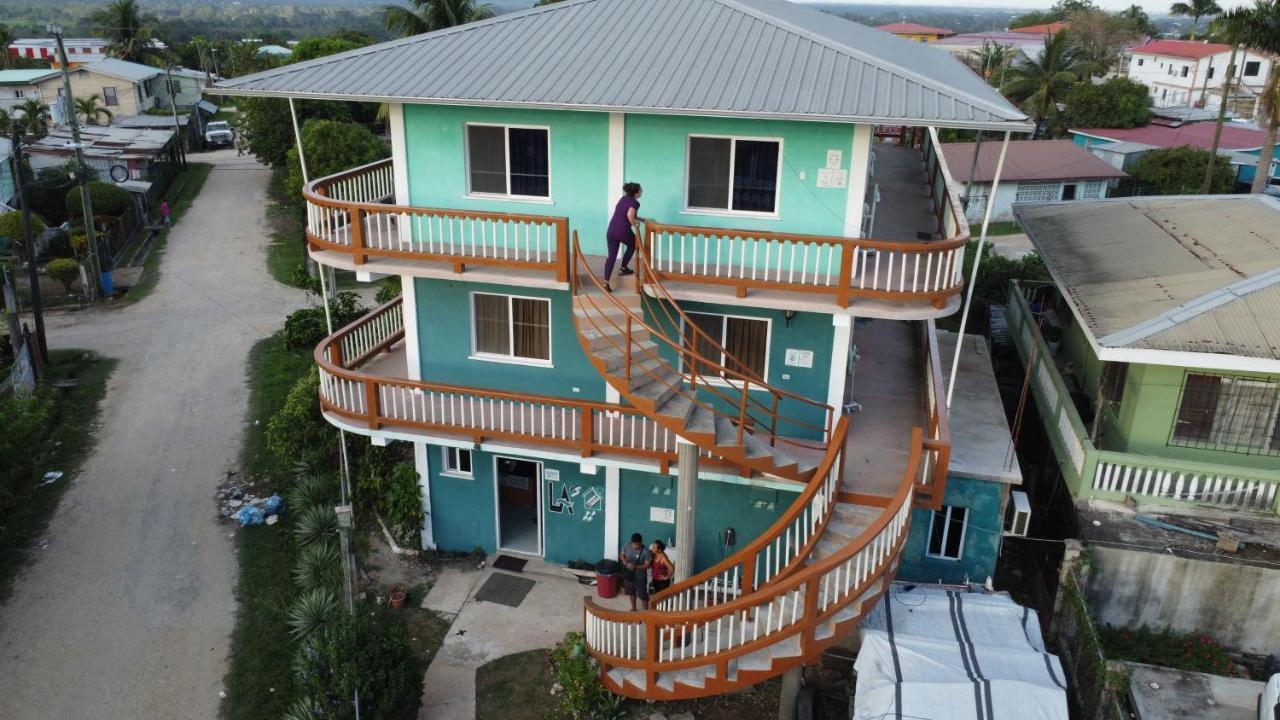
{"type": "Point", "coordinates": [905, 210]}
{"type": "Point", "coordinates": [887, 381]}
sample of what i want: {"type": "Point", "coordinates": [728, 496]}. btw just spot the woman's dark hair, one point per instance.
{"type": "Point", "coordinates": [631, 189]}
{"type": "Point", "coordinates": [661, 545]}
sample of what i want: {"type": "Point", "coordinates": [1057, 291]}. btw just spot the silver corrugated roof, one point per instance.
{"type": "Point", "coordinates": [752, 58]}
{"type": "Point", "coordinates": [1185, 273]}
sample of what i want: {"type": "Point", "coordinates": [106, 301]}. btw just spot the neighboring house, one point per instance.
{"type": "Point", "coordinates": [126, 88]}
{"type": "Point", "coordinates": [916, 32]}
{"type": "Point", "coordinates": [1241, 143]}
{"type": "Point", "coordinates": [1034, 171]}
{"type": "Point", "coordinates": [968, 47]}
{"type": "Point", "coordinates": [1052, 28]}
{"type": "Point", "coordinates": [79, 50]}
{"type": "Point", "coordinates": [136, 150]}
{"type": "Point", "coordinates": [552, 419]}
{"type": "Point", "coordinates": [1154, 362]}
{"type": "Point", "coordinates": [19, 86]}
{"type": "Point", "coordinates": [189, 88]}
{"type": "Point", "coordinates": [1187, 73]}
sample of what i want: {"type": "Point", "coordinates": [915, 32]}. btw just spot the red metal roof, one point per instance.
{"type": "Point", "coordinates": [906, 28]}
{"type": "Point", "coordinates": [1028, 160]}
{"type": "Point", "coordinates": [1199, 135]}
{"type": "Point", "coordinates": [1181, 48]}
{"type": "Point", "coordinates": [1052, 28]}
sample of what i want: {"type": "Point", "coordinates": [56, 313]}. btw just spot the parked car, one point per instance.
{"type": "Point", "coordinates": [219, 132]}
{"type": "Point", "coordinates": [1269, 700]}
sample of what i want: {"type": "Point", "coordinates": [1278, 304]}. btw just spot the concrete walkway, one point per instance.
{"type": "Point", "coordinates": [484, 631]}
{"type": "Point", "coordinates": [129, 610]}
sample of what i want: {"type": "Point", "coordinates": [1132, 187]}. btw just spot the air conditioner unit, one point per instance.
{"type": "Point", "coordinates": [1017, 515]}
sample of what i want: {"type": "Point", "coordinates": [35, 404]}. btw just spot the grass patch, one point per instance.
{"type": "Point", "coordinates": [69, 440]}
{"type": "Point", "coordinates": [1193, 652]}
{"type": "Point", "coordinates": [1007, 227]}
{"type": "Point", "coordinates": [288, 231]}
{"type": "Point", "coordinates": [515, 687]}
{"type": "Point", "coordinates": [259, 681]}
{"type": "Point", "coordinates": [186, 186]}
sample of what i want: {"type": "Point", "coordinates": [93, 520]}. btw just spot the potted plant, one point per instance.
{"type": "Point", "coordinates": [398, 597]}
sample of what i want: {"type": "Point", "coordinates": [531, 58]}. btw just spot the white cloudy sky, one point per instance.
{"type": "Point", "coordinates": [1151, 6]}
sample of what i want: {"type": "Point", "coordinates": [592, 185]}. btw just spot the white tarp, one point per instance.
{"type": "Point", "coordinates": [937, 653]}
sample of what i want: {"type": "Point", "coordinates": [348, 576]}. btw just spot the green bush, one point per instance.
{"type": "Point", "coordinates": [313, 611]}
{"type": "Point", "coordinates": [65, 271]}
{"type": "Point", "coordinates": [1116, 103]}
{"type": "Point", "coordinates": [298, 431]}
{"type": "Point", "coordinates": [332, 147]}
{"type": "Point", "coordinates": [404, 505]}
{"type": "Point", "coordinates": [11, 227]}
{"type": "Point", "coordinates": [305, 328]}
{"type": "Point", "coordinates": [315, 525]}
{"type": "Point", "coordinates": [389, 290]}
{"type": "Point", "coordinates": [369, 652]}
{"type": "Point", "coordinates": [318, 567]}
{"type": "Point", "coordinates": [579, 674]}
{"type": "Point", "coordinates": [1178, 171]}
{"type": "Point", "coordinates": [107, 199]}
{"type": "Point", "coordinates": [313, 490]}
{"type": "Point", "coordinates": [303, 279]}
{"type": "Point", "coordinates": [1193, 652]}
{"type": "Point", "coordinates": [24, 423]}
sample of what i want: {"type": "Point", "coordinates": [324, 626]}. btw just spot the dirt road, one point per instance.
{"type": "Point", "coordinates": [128, 612]}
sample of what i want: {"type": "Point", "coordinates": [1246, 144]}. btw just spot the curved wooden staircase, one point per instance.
{"type": "Point", "coordinates": [791, 592]}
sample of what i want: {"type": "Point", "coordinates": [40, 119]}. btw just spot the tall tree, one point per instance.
{"type": "Point", "coordinates": [6, 39]}
{"type": "Point", "coordinates": [1116, 103]}
{"type": "Point", "coordinates": [1196, 9]}
{"type": "Point", "coordinates": [1101, 38]}
{"type": "Point", "coordinates": [1258, 29]}
{"type": "Point", "coordinates": [127, 30]}
{"type": "Point", "coordinates": [93, 109]}
{"type": "Point", "coordinates": [1041, 85]}
{"type": "Point", "coordinates": [1140, 20]}
{"type": "Point", "coordinates": [427, 15]}
{"type": "Point", "coordinates": [34, 119]}
{"type": "Point", "coordinates": [992, 61]}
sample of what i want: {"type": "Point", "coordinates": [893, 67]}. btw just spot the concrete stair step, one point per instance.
{"type": "Point", "coordinates": [646, 371]}
{"type": "Point", "coordinates": [677, 406]}
{"type": "Point", "coordinates": [615, 358]}
{"type": "Point", "coordinates": [628, 676]}
{"type": "Point", "coordinates": [660, 389]}
{"type": "Point", "coordinates": [701, 420]}
{"type": "Point", "coordinates": [692, 677]}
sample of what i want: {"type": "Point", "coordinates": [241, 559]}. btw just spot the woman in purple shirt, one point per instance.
{"type": "Point", "coordinates": [622, 231]}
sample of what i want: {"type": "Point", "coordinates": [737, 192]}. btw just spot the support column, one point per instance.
{"type": "Point", "coordinates": [686, 507]}
{"type": "Point", "coordinates": [409, 310]}
{"type": "Point", "coordinates": [612, 510]}
{"type": "Point", "coordinates": [790, 696]}
{"type": "Point", "coordinates": [422, 463]}
{"type": "Point", "coordinates": [839, 373]}
{"type": "Point", "coordinates": [859, 165]}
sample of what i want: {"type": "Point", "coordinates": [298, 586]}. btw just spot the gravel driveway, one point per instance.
{"type": "Point", "coordinates": [128, 612]}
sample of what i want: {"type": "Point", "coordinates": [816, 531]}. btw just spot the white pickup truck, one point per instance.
{"type": "Point", "coordinates": [219, 133]}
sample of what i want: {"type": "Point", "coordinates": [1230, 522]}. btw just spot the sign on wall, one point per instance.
{"type": "Point", "coordinates": [799, 358]}
{"type": "Point", "coordinates": [833, 178]}
{"type": "Point", "coordinates": [566, 499]}
{"type": "Point", "coordinates": [835, 158]}
{"type": "Point", "coordinates": [662, 515]}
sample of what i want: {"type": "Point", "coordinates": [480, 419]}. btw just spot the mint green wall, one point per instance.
{"type": "Point", "coordinates": [720, 505]}
{"type": "Point", "coordinates": [982, 499]}
{"type": "Point", "coordinates": [579, 150]}
{"type": "Point", "coordinates": [462, 511]}
{"type": "Point", "coordinates": [656, 155]}
{"type": "Point", "coordinates": [807, 331]}
{"type": "Point", "coordinates": [444, 336]}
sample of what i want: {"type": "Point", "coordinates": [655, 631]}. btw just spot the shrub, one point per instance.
{"type": "Point", "coordinates": [107, 199]}
{"type": "Point", "coordinates": [318, 567]}
{"type": "Point", "coordinates": [312, 611]}
{"type": "Point", "coordinates": [331, 147]}
{"type": "Point", "coordinates": [315, 525]}
{"type": "Point", "coordinates": [389, 290]}
{"type": "Point", "coordinates": [313, 490]}
{"type": "Point", "coordinates": [303, 279]}
{"type": "Point", "coordinates": [24, 423]}
{"type": "Point", "coordinates": [1116, 103]}
{"type": "Point", "coordinates": [305, 328]}
{"type": "Point", "coordinates": [1194, 652]}
{"type": "Point", "coordinates": [404, 505]}
{"type": "Point", "coordinates": [579, 674]}
{"type": "Point", "coordinates": [297, 431]}
{"type": "Point", "coordinates": [1178, 171]}
{"type": "Point", "coordinates": [367, 652]}
{"type": "Point", "coordinates": [11, 227]}
{"type": "Point", "coordinates": [64, 270]}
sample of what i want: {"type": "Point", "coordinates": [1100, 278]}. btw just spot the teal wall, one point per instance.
{"type": "Point", "coordinates": [807, 331]}
{"type": "Point", "coordinates": [579, 150]}
{"type": "Point", "coordinates": [720, 505]}
{"type": "Point", "coordinates": [444, 327]}
{"type": "Point", "coordinates": [657, 152]}
{"type": "Point", "coordinates": [462, 511]}
{"type": "Point", "coordinates": [981, 541]}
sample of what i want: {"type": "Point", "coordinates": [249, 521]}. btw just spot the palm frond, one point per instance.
{"type": "Point", "coordinates": [312, 611]}
{"type": "Point", "coordinates": [318, 566]}
{"type": "Point", "coordinates": [314, 524]}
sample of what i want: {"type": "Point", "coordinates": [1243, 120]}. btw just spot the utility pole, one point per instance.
{"type": "Point", "coordinates": [82, 170]}
{"type": "Point", "coordinates": [29, 246]}
{"type": "Point", "coordinates": [173, 107]}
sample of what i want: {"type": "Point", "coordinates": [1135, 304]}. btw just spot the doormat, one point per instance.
{"type": "Point", "coordinates": [511, 564]}
{"type": "Point", "coordinates": [504, 589]}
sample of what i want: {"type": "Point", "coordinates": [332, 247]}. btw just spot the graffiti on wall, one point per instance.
{"type": "Point", "coordinates": [573, 500]}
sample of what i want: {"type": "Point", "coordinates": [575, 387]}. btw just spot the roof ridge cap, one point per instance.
{"type": "Point", "coordinates": [864, 57]}
{"type": "Point", "coordinates": [1192, 309]}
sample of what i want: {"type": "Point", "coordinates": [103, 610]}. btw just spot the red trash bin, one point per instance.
{"type": "Point", "coordinates": [607, 579]}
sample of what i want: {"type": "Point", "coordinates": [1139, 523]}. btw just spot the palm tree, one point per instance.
{"type": "Point", "coordinates": [35, 118]}
{"type": "Point", "coordinates": [427, 15]}
{"type": "Point", "coordinates": [992, 60]}
{"type": "Point", "coordinates": [91, 108]}
{"type": "Point", "coordinates": [1258, 29]}
{"type": "Point", "coordinates": [1041, 85]}
{"type": "Point", "coordinates": [127, 30]}
{"type": "Point", "coordinates": [6, 39]}
{"type": "Point", "coordinates": [1196, 9]}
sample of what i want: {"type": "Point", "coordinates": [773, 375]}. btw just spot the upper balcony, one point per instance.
{"type": "Point", "coordinates": [910, 268]}
{"type": "Point", "coordinates": [1096, 472]}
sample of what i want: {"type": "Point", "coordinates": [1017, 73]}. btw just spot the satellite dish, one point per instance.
{"type": "Point", "coordinates": [119, 173]}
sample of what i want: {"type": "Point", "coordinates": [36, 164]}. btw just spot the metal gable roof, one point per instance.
{"type": "Point", "coordinates": [752, 58]}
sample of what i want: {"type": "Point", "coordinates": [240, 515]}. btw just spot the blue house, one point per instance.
{"type": "Point", "coordinates": [765, 393]}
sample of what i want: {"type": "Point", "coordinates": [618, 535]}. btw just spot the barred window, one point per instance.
{"type": "Point", "coordinates": [1038, 192]}
{"type": "Point", "coordinates": [1232, 414]}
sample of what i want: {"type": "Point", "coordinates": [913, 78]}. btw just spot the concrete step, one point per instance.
{"type": "Point", "coordinates": [677, 406]}
{"type": "Point", "coordinates": [701, 420]}
{"type": "Point", "coordinates": [628, 676]}
{"type": "Point", "coordinates": [646, 371]}
{"type": "Point", "coordinates": [661, 389]}
{"type": "Point", "coordinates": [615, 358]}
{"type": "Point", "coordinates": [695, 677]}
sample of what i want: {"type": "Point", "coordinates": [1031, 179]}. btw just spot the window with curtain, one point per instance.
{"type": "Point", "coordinates": [511, 327]}
{"type": "Point", "coordinates": [1231, 414]}
{"type": "Point", "coordinates": [512, 161]}
{"type": "Point", "coordinates": [946, 533]}
{"type": "Point", "coordinates": [745, 341]}
{"type": "Point", "coordinates": [733, 174]}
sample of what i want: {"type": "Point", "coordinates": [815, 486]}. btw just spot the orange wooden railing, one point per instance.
{"type": "Point", "coordinates": [936, 456]}
{"type": "Point", "coordinates": [349, 213]}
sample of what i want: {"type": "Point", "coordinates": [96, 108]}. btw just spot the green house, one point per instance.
{"type": "Point", "coordinates": [764, 394]}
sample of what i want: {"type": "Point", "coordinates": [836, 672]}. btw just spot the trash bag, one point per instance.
{"type": "Point", "coordinates": [250, 515]}
{"type": "Point", "coordinates": [273, 505]}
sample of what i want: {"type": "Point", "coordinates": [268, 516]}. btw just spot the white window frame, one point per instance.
{"type": "Point", "coordinates": [1244, 68]}
{"type": "Point", "coordinates": [450, 468]}
{"type": "Point", "coordinates": [506, 151]}
{"type": "Point", "coordinates": [946, 528]}
{"type": "Point", "coordinates": [733, 146]}
{"type": "Point", "coordinates": [511, 341]}
{"type": "Point", "coordinates": [724, 319]}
